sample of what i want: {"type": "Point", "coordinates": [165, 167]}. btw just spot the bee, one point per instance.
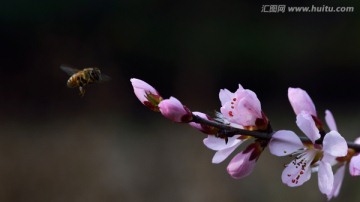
{"type": "Point", "coordinates": [82, 78]}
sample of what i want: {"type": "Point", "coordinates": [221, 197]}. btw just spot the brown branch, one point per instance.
{"type": "Point", "coordinates": [229, 131]}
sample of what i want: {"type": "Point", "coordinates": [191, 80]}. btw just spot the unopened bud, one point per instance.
{"type": "Point", "coordinates": [173, 109]}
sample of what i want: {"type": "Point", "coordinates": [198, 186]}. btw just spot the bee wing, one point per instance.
{"type": "Point", "coordinates": [69, 70]}
{"type": "Point", "coordinates": [105, 77]}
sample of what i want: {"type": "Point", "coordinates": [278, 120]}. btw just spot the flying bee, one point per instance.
{"type": "Point", "coordinates": [81, 78]}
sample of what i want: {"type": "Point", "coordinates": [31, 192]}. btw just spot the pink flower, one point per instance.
{"type": "Point", "coordinates": [244, 162]}
{"type": "Point", "coordinates": [223, 149]}
{"type": "Point", "coordinates": [173, 109]}
{"type": "Point", "coordinates": [242, 107]}
{"type": "Point", "coordinates": [299, 170]}
{"type": "Point", "coordinates": [354, 166]}
{"type": "Point", "coordinates": [146, 94]}
{"type": "Point", "coordinates": [202, 127]}
{"type": "Point", "coordinates": [301, 101]}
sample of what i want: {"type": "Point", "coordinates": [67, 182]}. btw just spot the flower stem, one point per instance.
{"type": "Point", "coordinates": [230, 131]}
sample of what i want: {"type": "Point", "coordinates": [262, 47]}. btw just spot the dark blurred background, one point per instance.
{"type": "Point", "coordinates": [106, 146]}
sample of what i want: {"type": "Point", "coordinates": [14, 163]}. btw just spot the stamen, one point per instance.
{"type": "Point", "coordinates": [231, 113]}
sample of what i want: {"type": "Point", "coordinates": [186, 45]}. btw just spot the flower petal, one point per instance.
{"type": "Point", "coordinates": [247, 108]}
{"type": "Point", "coordinates": [301, 101]}
{"type": "Point", "coordinates": [357, 140]}
{"type": "Point", "coordinates": [140, 87]}
{"type": "Point", "coordinates": [230, 113]}
{"type": "Point", "coordinates": [240, 166]}
{"type": "Point", "coordinates": [338, 179]}
{"type": "Point", "coordinates": [298, 171]}
{"type": "Point", "coordinates": [284, 142]}
{"type": "Point", "coordinates": [325, 178]}
{"type": "Point", "coordinates": [225, 96]}
{"type": "Point", "coordinates": [328, 158]}
{"type": "Point", "coordinates": [307, 125]}
{"type": "Point", "coordinates": [216, 143]}
{"type": "Point", "coordinates": [334, 144]}
{"type": "Point", "coordinates": [354, 166]}
{"type": "Point", "coordinates": [173, 109]}
{"type": "Point", "coordinates": [146, 94]}
{"type": "Point", "coordinates": [221, 155]}
{"type": "Point", "coordinates": [330, 121]}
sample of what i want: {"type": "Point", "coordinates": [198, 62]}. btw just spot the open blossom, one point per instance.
{"type": "Point", "coordinates": [301, 101]}
{"type": "Point", "coordinates": [299, 170]}
{"type": "Point", "coordinates": [173, 109]}
{"type": "Point", "coordinates": [311, 155]}
{"type": "Point", "coordinates": [242, 107]}
{"type": "Point", "coordinates": [147, 94]}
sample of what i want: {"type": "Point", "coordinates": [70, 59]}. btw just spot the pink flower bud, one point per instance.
{"type": "Point", "coordinates": [301, 101]}
{"type": "Point", "coordinates": [203, 128]}
{"type": "Point", "coordinates": [174, 110]}
{"type": "Point", "coordinates": [146, 94]}
{"type": "Point", "coordinates": [244, 162]}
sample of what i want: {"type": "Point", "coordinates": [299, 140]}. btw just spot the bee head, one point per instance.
{"type": "Point", "coordinates": [95, 74]}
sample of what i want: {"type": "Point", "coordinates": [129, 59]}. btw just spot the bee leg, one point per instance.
{"type": "Point", "coordinates": [82, 91]}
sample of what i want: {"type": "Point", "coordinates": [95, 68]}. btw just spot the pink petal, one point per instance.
{"type": "Point", "coordinates": [325, 178]}
{"type": "Point", "coordinates": [301, 101]}
{"type": "Point", "coordinates": [334, 144]}
{"type": "Point", "coordinates": [298, 171]}
{"type": "Point", "coordinates": [338, 179]}
{"type": "Point", "coordinates": [284, 142]}
{"type": "Point", "coordinates": [240, 166]}
{"type": "Point", "coordinates": [357, 141]}
{"type": "Point", "coordinates": [221, 155]}
{"type": "Point", "coordinates": [307, 125]}
{"type": "Point", "coordinates": [240, 88]}
{"type": "Point", "coordinates": [330, 121]}
{"type": "Point", "coordinates": [229, 113]}
{"type": "Point", "coordinates": [141, 88]}
{"type": "Point", "coordinates": [247, 108]}
{"type": "Point", "coordinates": [354, 166]}
{"type": "Point", "coordinates": [328, 158]}
{"type": "Point", "coordinates": [217, 144]}
{"type": "Point", "coordinates": [225, 96]}
{"type": "Point", "coordinates": [251, 102]}
{"type": "Point", "coordinates": [174, 110]}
